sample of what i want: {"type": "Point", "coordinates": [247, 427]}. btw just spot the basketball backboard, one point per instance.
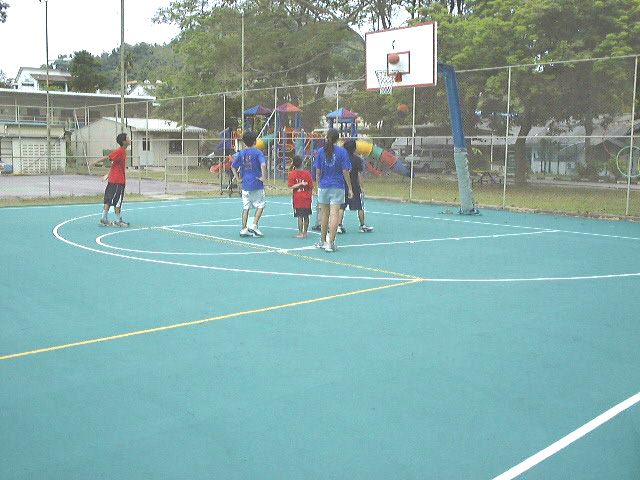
{"type": "Point", "coordinates": [408, 54]}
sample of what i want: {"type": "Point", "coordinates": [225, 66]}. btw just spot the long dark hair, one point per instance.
{"type": "Point", "coordinates": [332, 138]}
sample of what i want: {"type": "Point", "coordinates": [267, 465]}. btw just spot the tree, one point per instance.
{"type": "Point", "coordinates": [538, 33]}
{"type": "Point", "coordinates": [85, 69]}
{"type": "Point", "coordinates": [303, 49]}
{"type": "Point", "coordinates": [3, 11]}
{"type": "Point", "coordinates": [4, 81]}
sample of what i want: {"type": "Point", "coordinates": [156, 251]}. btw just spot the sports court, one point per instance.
{"type": "Point", "coordinates": [439, 346]}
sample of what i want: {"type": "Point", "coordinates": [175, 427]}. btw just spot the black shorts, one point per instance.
{"type": "Point", "coordinates": [114, 194]}
{"type": "Point", "coordinates": [302, 212]}
{"type": "Point", "coordinates": [354, 203]}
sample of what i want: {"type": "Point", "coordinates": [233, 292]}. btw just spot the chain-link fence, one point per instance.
{"type": "Point", "coordinates": [554, 137]}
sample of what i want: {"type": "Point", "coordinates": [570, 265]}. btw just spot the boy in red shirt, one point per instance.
{"type": "Point", "coordinates": [301, 185]}
{"type": "Point", "coordinates": [114, 193]}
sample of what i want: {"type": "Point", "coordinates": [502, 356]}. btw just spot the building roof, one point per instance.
{"type": "Point", "coordinates": [53, 77]}
{"type": "Point", "coordinates": [342, 113]}
{"type": "Point", "coordinates": [157, 125]}
{"type": "Point", "coordinates": [258, 110]}
{"type": "Point", "coordinates": [287, 108]}
{"type": "Point", "coordinates": [43, 71]}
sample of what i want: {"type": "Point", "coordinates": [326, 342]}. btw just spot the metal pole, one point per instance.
{"type": "Point", "coordinates": [633, 116]}
{"type": "Point", "coordinates": [413, 143]}
{"type": "Point", "coordinates": [242, 79]}
{"type": "Point", "coordinates": [46, 35]}
{"type": "Point", "coordinates": [19, 137]}
{"type": "Point", "coordinates": [186, 167]}
{"type": "Point", "coordinates": [506, 143]}
{"type": "Point", "coordinates": [491, 153]}
{"type": "Point", "coordinates": [122, 72]}
{"type": "Point", "coordinates": [224, 141]}
{"type": "Point", "coordinates": [275, 132]}
{"type": "Point", "coordinates": [165, 175]}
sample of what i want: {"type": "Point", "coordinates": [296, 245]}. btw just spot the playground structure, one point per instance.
{"type": "Point", "coordinates": [344, 120]}
{"type": "Point", "coordinates": [288, 138]}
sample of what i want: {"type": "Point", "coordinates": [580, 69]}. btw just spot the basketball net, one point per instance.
{"type": "Point", "coordinates": [385, 80]}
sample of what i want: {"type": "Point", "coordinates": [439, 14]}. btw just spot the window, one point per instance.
{"type": "Point", "coordinates": [175, 146]}
{"type": "Point", "coordinates": [146, 145]}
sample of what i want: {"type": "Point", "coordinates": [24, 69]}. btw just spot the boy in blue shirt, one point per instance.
{"type": "Point", "coordinates": [249, 166]}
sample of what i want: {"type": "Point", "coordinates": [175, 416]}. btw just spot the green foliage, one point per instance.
{"type": "Point", "coordinates": [3, 11]}
{"type": "Point", "coordinates": [4, 81]}
{"type": "Point", "coordinates": [143, 61]}
{"type": "Point", "coordinates": [538, 33]}
{"type": "Point", "coordinates": [85, 69]}
{"type": "Point", "coordinates": [299, 51]}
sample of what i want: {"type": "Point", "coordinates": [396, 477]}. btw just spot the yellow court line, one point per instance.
{"type": "Point", "coordinates": [205, 320]}
{"type": "Point", "coordinates": [283, 251]}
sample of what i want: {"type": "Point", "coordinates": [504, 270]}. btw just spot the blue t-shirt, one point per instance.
{"type": "Point", "coordinates": [331, 168]}
{"type": "Point", "coordinates": [249, 161]}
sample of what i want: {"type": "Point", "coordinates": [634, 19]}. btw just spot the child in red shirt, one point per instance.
{"type": "Point", "coordinates": [301, 185]}
{"type": "Point", "coordinates": [114, 193]}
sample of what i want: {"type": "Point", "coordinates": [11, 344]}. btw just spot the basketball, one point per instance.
{"type": "Point", "coordinates": [393, 58]}
{"type": "Point", "coordinates": [403, 108]}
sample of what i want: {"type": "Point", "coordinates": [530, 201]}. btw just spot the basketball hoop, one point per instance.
{"type": "Point", "coordinates": [386, 80]}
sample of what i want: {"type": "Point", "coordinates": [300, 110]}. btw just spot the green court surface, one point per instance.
{"type": "Point", "coordinates": [437, 347]}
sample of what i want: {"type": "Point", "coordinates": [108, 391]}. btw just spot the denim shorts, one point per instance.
{"type": "Point", "coordinates": [331, 196]}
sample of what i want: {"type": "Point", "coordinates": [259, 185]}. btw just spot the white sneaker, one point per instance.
{"type": "Point", "coordinates": [341, 229]}
{"type": "Point", "coordinates": [320, 244]}
{"type": "Point", "coordinates": [245, 232]}
{"type": "Point", "coordinates": [366, 229]}
{"type": "Point", "coordinates": [330, 247]}
{"type": "Point", "coordinates": [256, 232]}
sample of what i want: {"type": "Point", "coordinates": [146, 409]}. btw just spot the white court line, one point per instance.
{"type": "Point", "coordinates": [211, 223]}
{"type": "Point", "coordinates": [433, 280]}
{"type": "Point", "coordinates": [100, 241]}
{"type": "Point", "coordinates": [225, 239]}
{"type": "Point", "coordinates": [567, 440]}
{"type": "Point", "coordinates": [56, 233]}
{"type": "Point", "coordinates": [507, 225]}
{"type": "Point", "coordinates": [426, 240]}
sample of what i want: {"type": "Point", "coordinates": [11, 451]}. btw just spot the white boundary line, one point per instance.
{"type": "Point", "coordinates": [435, 280]}
{"type": "Point", "coordinates": [427, 240]}
{"type": "Point", "coordinates": [506, 225]}
{"type": "Point", "coordinates": [567, 440]}
{"type": "Point", "coordinates": [56, 233]}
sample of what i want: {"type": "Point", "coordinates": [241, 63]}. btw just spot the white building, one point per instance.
{"type": "Point", "coordinates": [23, 124]}
{"type": "Point", "coordinates": [144, 89]}
{"type": "Point", "coordinates": [154, 142]}
{"type": "Point", "coordinates": [24, 146]}
{"type": "Point", "coordinates": [35, 79]}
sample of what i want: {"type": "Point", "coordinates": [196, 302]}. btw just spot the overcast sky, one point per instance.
{"type": "Point", "coordinates": [92, 25]}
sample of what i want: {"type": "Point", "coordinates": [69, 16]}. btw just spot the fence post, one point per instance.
{"type": "Point", "coordinates": [275, 133]}
{"type": "Point", "coordinates": [506, 143]}
{"type": "Point", "coordinates": [633, 115]}
{"type": "Point", "coordinates": [182, 140]}
{"type": "Point", "coordinates": [19, 138]}
{"type": "Point", "coordinates": [413, 143]}
{"type": "Point", "coordinates": [165, 176]}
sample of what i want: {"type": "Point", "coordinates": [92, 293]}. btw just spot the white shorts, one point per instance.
{"type": "Point", "coordinates": [254, 198]}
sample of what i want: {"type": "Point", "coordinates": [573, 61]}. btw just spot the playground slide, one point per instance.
{"type": "Point", "coordinates": [385, 156]}
{"type": "Point", "coordinates": [363, 148]}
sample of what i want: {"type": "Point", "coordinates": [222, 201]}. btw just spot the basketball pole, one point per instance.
{"type": "Point", "coordinates": [46, 47]}
{"type": "Point", "coordinates": [467, 204]}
